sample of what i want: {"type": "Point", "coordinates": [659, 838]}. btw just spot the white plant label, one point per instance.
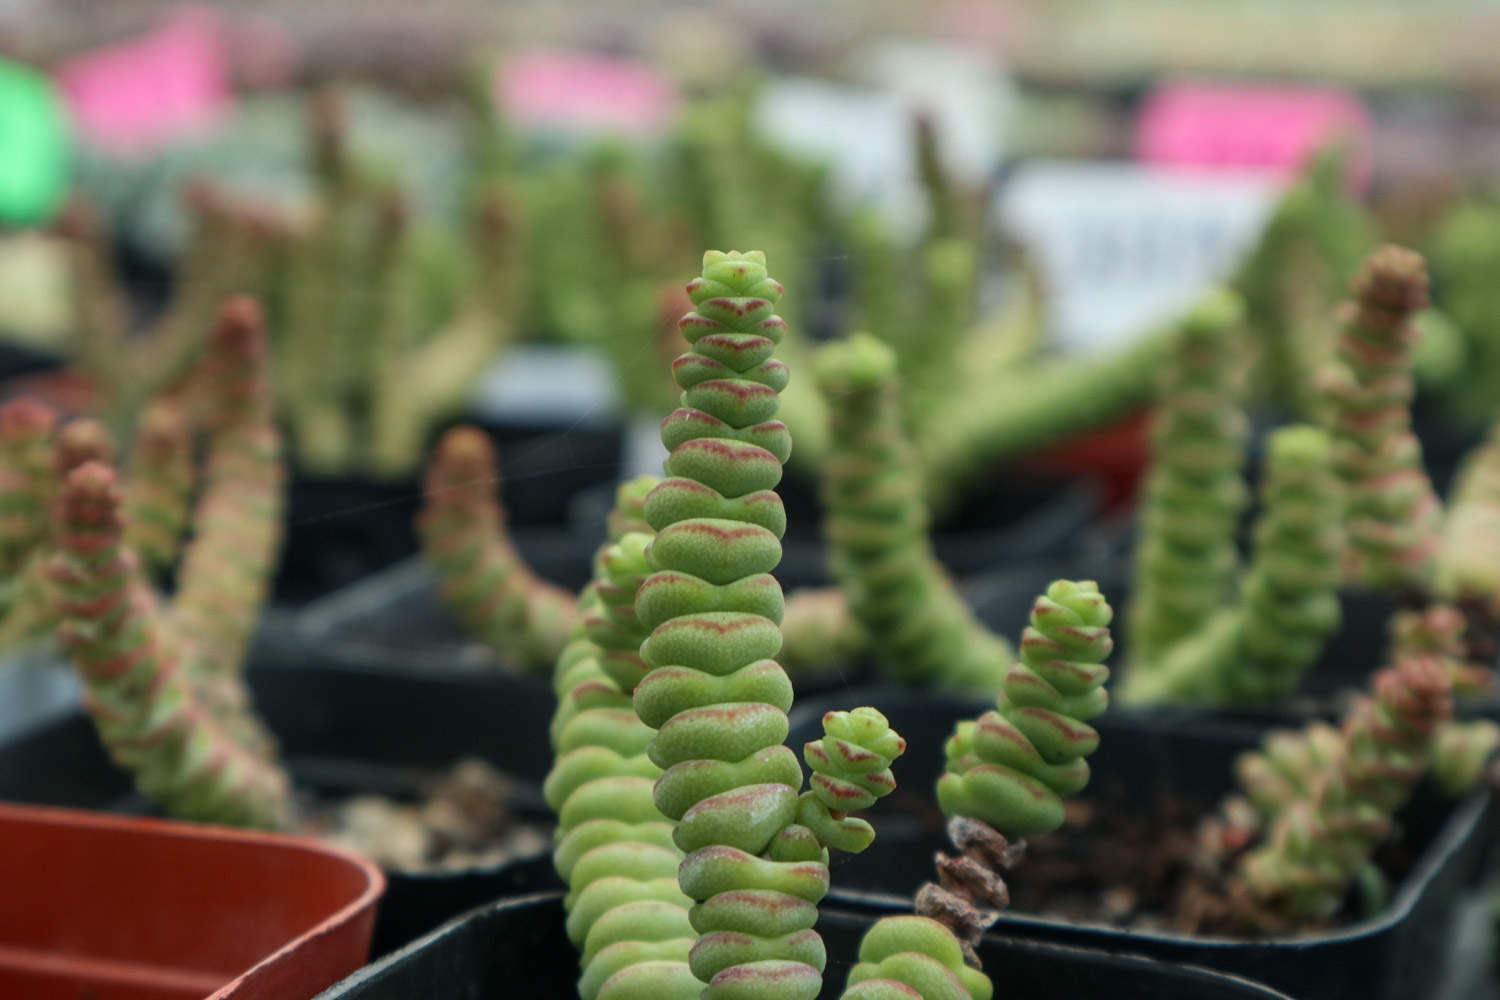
{"type": "Point", "coordinates": [1124, 248]}
{"type": "Point", "coordinates": [864, 132]}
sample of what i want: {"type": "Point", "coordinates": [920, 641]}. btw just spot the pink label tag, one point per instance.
{"type": "Point", "coordinates": [576, 91]}
{"type": "Point", "coordinates": [135, 97]}
{"type": "Point", "coordinates": [1271, 128]}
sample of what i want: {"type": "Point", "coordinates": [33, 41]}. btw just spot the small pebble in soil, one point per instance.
{"type": "Point", "coordinates": [462, 822]}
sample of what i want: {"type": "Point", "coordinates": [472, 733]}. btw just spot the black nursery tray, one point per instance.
{"type": "Point", "coordinates": [1399, 953]}
{"type": "Point", "coordinates": [518, 948]}
{"type": "Point", "coordinates": [1013, 522]}
{"type": "Point", "coordinates": [397, 616]}
{"type": "Point", "coordinates": [345, 730]}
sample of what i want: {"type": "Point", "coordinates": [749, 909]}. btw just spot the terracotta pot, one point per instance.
{"type": "Point", "coordinates": [117, 908]}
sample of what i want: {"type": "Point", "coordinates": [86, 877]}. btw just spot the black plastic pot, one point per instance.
{"type": "Point", "coordinates": [1348, 661]}
{"type": "Point", "coordinates": [1020, 519]}
{"type": "Point", "coordinates": [518, 948]}
{"type": "Point", "coordinates": [345, 730]}
{"type": "Point", "coordinates": [397, 617]}
{"type": "Point", "coordinates": [342, 528]}
{"type": "Point", "coordinates": [1392, 955]}
{"type": "Point", "coordinates": [18, 358]}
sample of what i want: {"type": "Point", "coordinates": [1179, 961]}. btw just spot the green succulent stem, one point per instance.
{"type": "Point", "coordinates": [163, 678]}
{"type": "Point", "coordinates": [1468, 567]}
{"type": "Point", "coordinates": [1256, 650]}
{"type": "Point", "coordinates": [1394, 516]}
{"type": "Point", "coordinates": [714, 694]}
{"type": "Point", "coordinates": [1009, 770]}
{"type": "Point", "coordinates": [1037, 405]}
{"type": "Point", "coordinates": [127, 369]}
{"type": "Point", "coordinates": [876, 525]}
{"type": "Point", "coordinates": [484, 580]}
{"type": "Point", "coordinates": [1186, 560]}
{"type": "Point", "coordinates": [626, 913]}
{"type": "Point", "coordinates": [1012, 766]}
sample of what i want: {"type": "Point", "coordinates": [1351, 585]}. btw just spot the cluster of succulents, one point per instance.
{"type": "Point", "coordinates": [164, 674]}
{"type": "Point", "coordinates": [695, 847]}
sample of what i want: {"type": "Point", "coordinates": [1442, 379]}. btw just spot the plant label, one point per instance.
{"type": "Point", "coordinates": [585, 94]}
{"type": "Point", "coordinates": [1271, 128]}
{"type": "Point", "coordinates": [1123, 247]}
{"type": "Point", "coordinates": [136, 97]}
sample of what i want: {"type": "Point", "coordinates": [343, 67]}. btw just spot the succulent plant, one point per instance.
{"type": "Point", "coordinates": [614, 848]}
{"type": "Point", "coordinates": [488, 586]}
{"type": "Point", "coordinates": [127, 368]}
{"type": "Point", "coordinates": [714, 695]}
{"type": "Point", "coordinates": [1255, 650]}
{"type": "Point", "coordinates": [1007, 773]}
{"type": "Point", "coordinates": [485, 582]}
{"type": "Point", "coordinates": [671, 783]}
{"type": "Point", "coordinates": [1468, 569]}
{"type": "Point", "coordinates": [374, 350]}
{"type": "Point", "coordinates": [1318, 842]}
{"type": "Point", "coordinates": [1394, 516]}
{"type": "Point", "coordinates": [876, 524]}
{"type": "Point", "coordinates": [1293, 277]}
{"type": "Point", "coordinates": [1186, 559]}
{"type": "Point", "coordinates": [163, 675]}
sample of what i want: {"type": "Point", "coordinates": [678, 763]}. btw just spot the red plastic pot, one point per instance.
{"type": "Point", "coordinates": [1115, 457]}
{"type": "Point", "coordinates": [115, 908]}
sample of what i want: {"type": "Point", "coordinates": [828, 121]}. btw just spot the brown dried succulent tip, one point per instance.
{"type": "Point", "coordinates": [1393, 279]}
{"type": "Point", "coordinates": [90, 497]}
{"type": "Point", "coordinates": [25, 420]}
{"type": "Point", "coordinates": [971, 892]}
{"type": "Point", "coordinates": [984, 843]}
{"type": "Point", "coordinates": [79, 442]}
{"type": "Point", "coordinates": [1418, 691]}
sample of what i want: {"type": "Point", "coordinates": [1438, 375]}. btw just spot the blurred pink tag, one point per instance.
{"type": "Point", "coordinates": [134, 97]}
{"type": "Point", "coordinates": [585, 92]}
{"type": "Point", "coordinates": [1272, 128]}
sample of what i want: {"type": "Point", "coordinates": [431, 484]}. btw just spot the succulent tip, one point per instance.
{"type": "Point", "coordinates": [90, 496]}
{"type": "Point", "coordinates": [240, 329]}
{"type": "Point", "coordinates": [464, 454]}
{"type": "Point", "coordinates": [25, 419]}
{"type": "Point", "coordinates": [1394, 278]}
{"type": "Point", "coordinates": [859, 363]}
{"type": "Point", "coordinates": [81, 441]}
{"type": "Point", "coordinates": [164, 428]}
{"type": "Point", "coordinates": [1418, 690]}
